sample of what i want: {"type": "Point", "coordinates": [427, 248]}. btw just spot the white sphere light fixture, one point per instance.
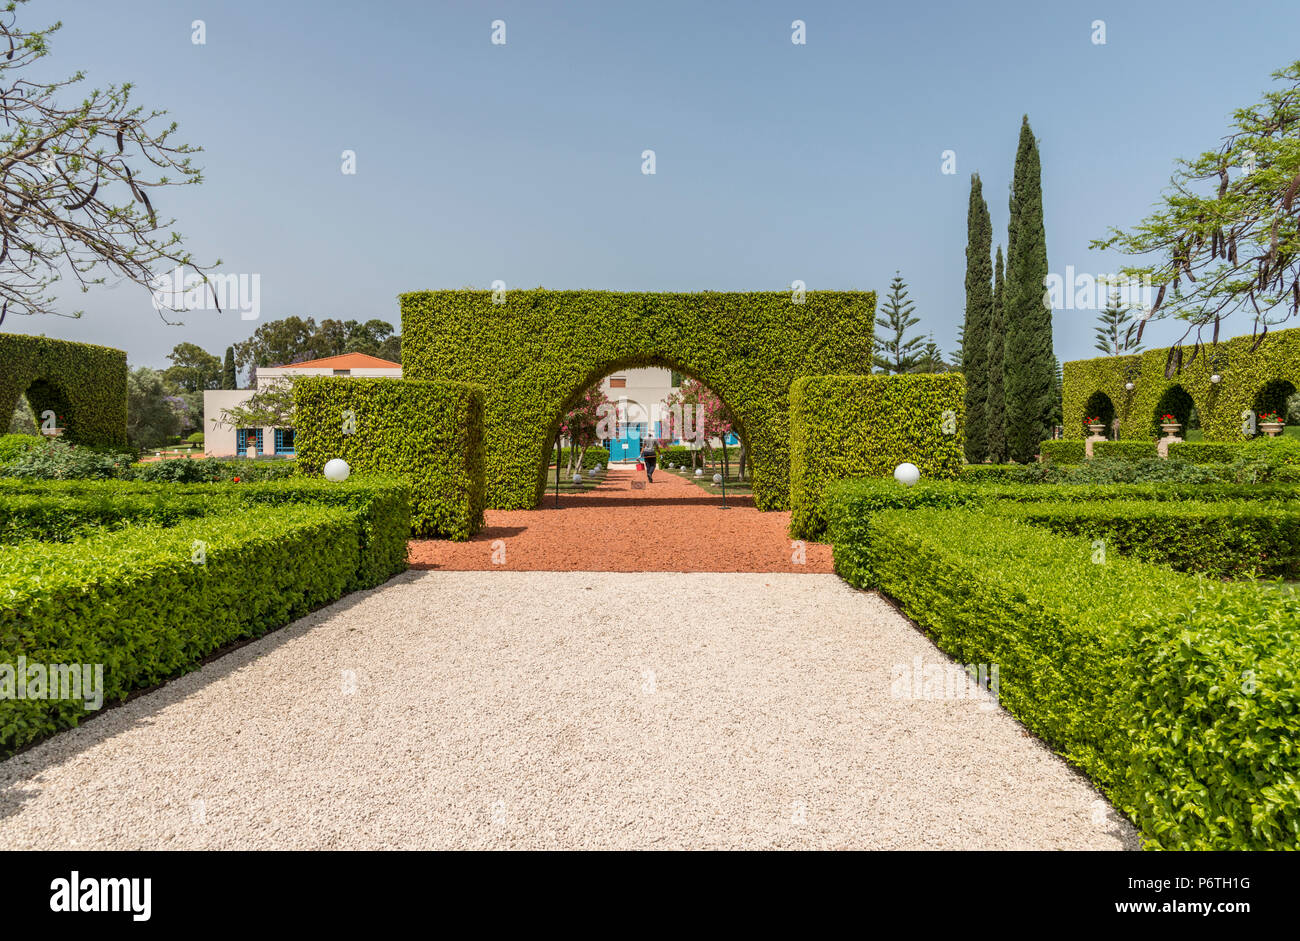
{"type": "Point", "coordinates": [1128, 386]}
{"type": "Point", "coordinates": [577, 477]}
{"type": "Point", "coordinates": [698, 472]}
{"type": "Point", "coordinates": [717, 478]}
{"type": "Point", "coordinates": [1216, 379]}
{"type": "Point", "coordinates": [337, 470]}
{"type": "Point", "coordinates": [907, 474]}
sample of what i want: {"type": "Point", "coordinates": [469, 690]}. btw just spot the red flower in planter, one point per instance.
{"type": "Point", "coordinates": [1092, 421]}
{"type": "Point", "coordinates": [1271, 418]}
{"type": "Point", "coordinates": [1169, 419]}
{"type": "Point", "coordinates": [236, 480]}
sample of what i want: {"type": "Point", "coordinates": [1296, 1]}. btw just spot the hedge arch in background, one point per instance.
{"type": "Point", "coordinates": [1244, 374]}
{"type": "Point", "coordinates": [537, 351]}
{"type": "Point", "coordinates": [84, 385]}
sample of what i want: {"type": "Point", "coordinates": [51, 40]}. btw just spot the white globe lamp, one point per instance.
{"type": "Point", "coordinates": [717, 478]}
{"type": "Point", "coordinates": [1128, 386]}
{"type": "Point", "coordinates": [699, 472]}
{"type": "Point", "coordinates": [577, 477]}
{"type": "Point", "coordinates": [337, 470]}
{"type": "Point", "coordinates": [907, 474]}
{"type": "Point", "coordinates": [1216, 379]}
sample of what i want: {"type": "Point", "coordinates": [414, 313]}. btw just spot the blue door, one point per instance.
{"type": "Point", "coordinates": [627, 447]}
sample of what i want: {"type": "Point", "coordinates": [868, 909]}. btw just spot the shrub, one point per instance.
{"type": "Point", "coordinates": [1226, 539]}
{"type": "Point", "coordinates": [1126, 450]}
{"type": "Point", "coordinates": [14, 446]}
{"type": "Point", "coordinates": [84, 385]}
{"type": "Point", "coordinates": [1205, 452]}
{"type": "Point", "coordinates": [428, 433]}
{"type": "Point", "coordinates": [535, 352]}
{"type": "Point", "coordinates": [991, 473]}
{"type": "Point", "coordinates": [58, 460]}
{"type": "Point", "coordinates": [842, 427]}
{"type": "Point", "coordinates": [136, 602]}
{"type": "Point", "coordinates": [1062, 452]}
{"type": "Point", "coordinates": [593, 456]}
{"type": "Point", "coordinates": [1129, 670]}
{"type": "Point", "coordinates": [196, 438]}
{"type": "Point", "coordinates": [62, 517]}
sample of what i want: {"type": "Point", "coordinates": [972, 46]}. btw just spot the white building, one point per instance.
{"type": "Point", "coordinates": [223, 440]}
{"type": "Point", "coordinates": [643, 393]}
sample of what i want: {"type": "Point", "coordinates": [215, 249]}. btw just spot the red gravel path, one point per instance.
{"type": "Point", "coordinates": [670, 526]}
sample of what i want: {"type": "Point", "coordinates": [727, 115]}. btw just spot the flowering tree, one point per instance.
{"type": "Point", "coordinates": [707, 417]}
{"type": "Point", "coordinates": [580, 424]}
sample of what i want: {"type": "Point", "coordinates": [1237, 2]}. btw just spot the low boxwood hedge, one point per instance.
{"type": "Point", "coordinates": [991, 473]}
{"type": "Point", "coordinates": [1205, 452]}
{"type": "Point", "coordinates": [136, 601]}
{"type": "Point", "coordinates": [1179, 697]}
{"type": "Point", "coordinates": [1229, 539]}
{"type": "Point", "coordinates": [1062, 452]}
{"type": "Point", "coordinates": [1125, 450]}
{"type": "Point", "coordinates": [64, 517]}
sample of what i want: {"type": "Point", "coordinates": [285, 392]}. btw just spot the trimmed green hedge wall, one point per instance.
{"type": "Point", "coordinates": [1178, 697]}
{"type": "Point", "coordinates": [1063, 452]}
{"type": "Point", "coordinates": [428, 433]}
{"type": "Point", "coordinates": [842, 427]}
{"type": "Point", "coordinates": [1220, 406]}
{"type": "Point", "coordinates": [1206, 452]}
{"type": "Point", "coordinates": [535, 354]}
{"type": "Point", "coordinates": [1126, 450]}
{"type": "Point", "coordinates": [85, 385]}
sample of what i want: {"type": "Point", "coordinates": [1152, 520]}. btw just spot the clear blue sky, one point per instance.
{"type": "Point", "coordinates": [775, 161]}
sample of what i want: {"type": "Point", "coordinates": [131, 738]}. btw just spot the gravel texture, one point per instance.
{"type": "Point", "coordinates": [559, 710]}
{"type": "Point", "coordinates": [669, 526]}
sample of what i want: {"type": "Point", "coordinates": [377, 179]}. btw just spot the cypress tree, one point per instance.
{"type": "Point", "coordinates": [997, 417]}
{"type": "Point", "coordinates": [1029, 364]}
{"type": "Point", "coordinates": [229, 377]}
{"type": "Point", "coordinates": [975, 329]}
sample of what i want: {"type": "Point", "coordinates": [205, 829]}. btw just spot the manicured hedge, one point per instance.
{"type": "Point", "coordinates": [64, 517]}
{"type": "Point", "coordinates": [990, 473]}
{"type": "Point", "coordinates": [1135, 673]}
{"type": "Point", "coordinates": [1126, 450]}
{"type": "Point", "coordinates": [1063, 452]}
{"type": "Point", "coordinates": [1228, 539]}
{"type": "Point", "coordinates": [84, 385]}
{"type": "Point", "coordinates": [1205, 452]}
{"type": "Point", "coordinates": [136, 602]}
{"type": "Point", "coordinates": [1243, 372]}
{"type": "Point", "coordinates": [14, 446]}
{"type": "Point", "coordinates": [428, 433]}
{"type": "Point", "coordinates": [535, 353]}
{"type": "Point", "coordinates": [843, 427]}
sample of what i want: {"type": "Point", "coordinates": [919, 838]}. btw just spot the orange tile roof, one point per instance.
{"type": "Point", "coordinates": [346, 361]}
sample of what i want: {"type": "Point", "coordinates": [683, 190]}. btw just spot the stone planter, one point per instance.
{"type": "Point", "coordinates": [1171, 428]}
{"type": "Point", "coordinates": [1097, 428]}
{"type": "Point", "coordinates": [1271, 428]}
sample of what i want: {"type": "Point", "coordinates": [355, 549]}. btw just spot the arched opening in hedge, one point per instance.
{"type": "Point", "coordinates": [45, 397]}
{"type": "Point", "coordinates": [84, 385]}
{"type": "Point", "coordinates": [1175, 401]}
{"type": "Point", "coordinates": [547, 455]}
{"type": "Point", "coordinates": [1099, 406]}
{"type": "Point", "coordinates": [534, 351]}
{"type": "Point", "coordinates": [1273, 398]}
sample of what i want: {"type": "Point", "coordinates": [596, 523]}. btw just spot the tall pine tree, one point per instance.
{"type": "Point", "coordinates": [229, 377]}
{"type": "Point", "coordinates": [895, 351]}
{"type": "Point", "coordinates": [979, 311]}
{"type": "Point", "coordinates": [1029, 365]}
{"type": "Point", "coordinates": [997, 414]}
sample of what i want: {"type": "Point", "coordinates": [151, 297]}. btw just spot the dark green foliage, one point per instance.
{"type": "Point", "coordinates": [1029, 363]}
{"type": "Point", "coordinates": [84, 385]}
{"type": "Point", "coordinates": [539, 350]}
{"type": "Point", "coordinates": [1062, 452]}
{"type": "Point", "coordinates": [978, 324]}
{"type": "Point", "coordinates": [896, 352]}
{"type": "Point", "coordinates": [1125, 450]}
{"type": "Point", "coordinates": [843, 427]}
{"type": "Point", "coordinates": [996, 408]}
{"type": "Point", "coordinates": [229, 375]}
{"type": "Point", "coordinates": [428, 433]}
{"type": "Point", "coordinates": [1179, 698]}
{"type": "Point", "coordinates": [55, 459]}
{"type": "Point", "coordinates": [62, 517]}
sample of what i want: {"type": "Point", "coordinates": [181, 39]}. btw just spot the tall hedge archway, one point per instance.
{"type": "Point", "coordinates": [84, 385]}
{"type": "Point", "coordinates": [537, 350]}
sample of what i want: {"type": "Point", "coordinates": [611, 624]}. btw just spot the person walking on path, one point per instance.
{"type": "Point", "coordinates": [648, 457]}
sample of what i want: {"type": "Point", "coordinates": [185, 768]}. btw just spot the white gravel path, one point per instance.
{"type": "Point", "coordinates": [560, 710]}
